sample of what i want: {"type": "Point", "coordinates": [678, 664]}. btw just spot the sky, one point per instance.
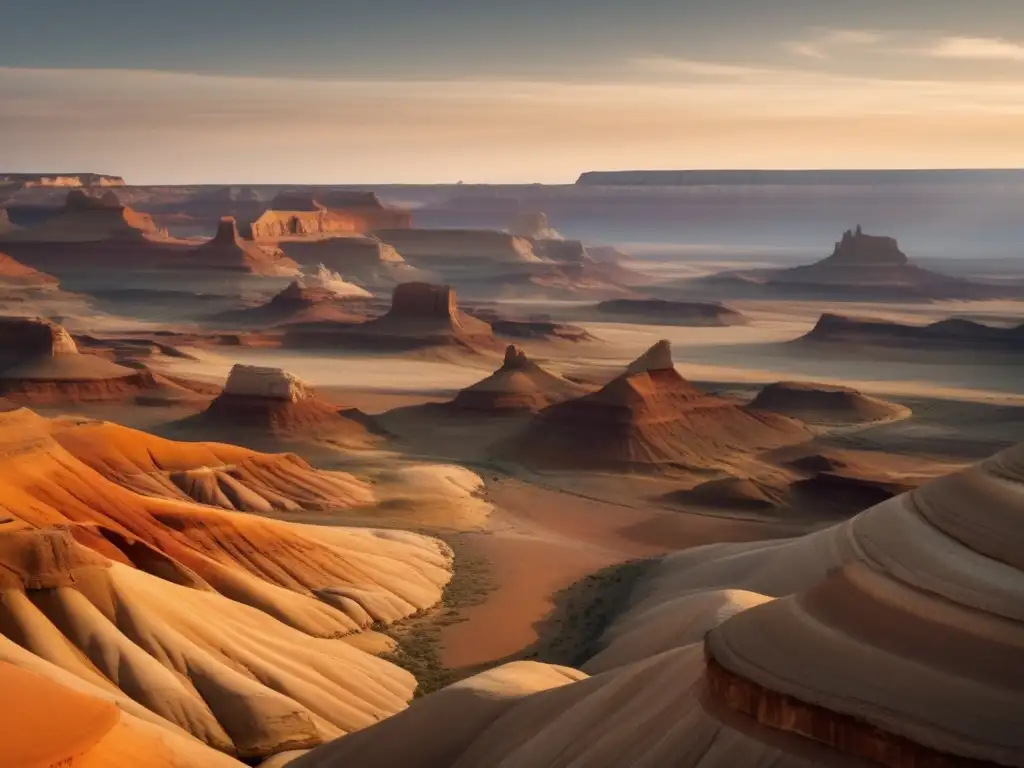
{"type": "Point", "coordinates": [425, 91]}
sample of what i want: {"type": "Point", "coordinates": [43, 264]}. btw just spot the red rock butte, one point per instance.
{"type": "Point", "coordinates": [273, 402]}
{"type": "Point", "coordinates": [518, 385]}
{"type": "Point", "coordinates": [227, 251]}
{"type": "Point", "coordinates": [85, 218]}
{"type": "Point", "coordinates": [304, 215]}
{"type": "Point", "coordinates": [648, 419]}
{"type": "Point", "coordinates": [40, 363]}
{"type": "Point", "coordinates": [422, 315]}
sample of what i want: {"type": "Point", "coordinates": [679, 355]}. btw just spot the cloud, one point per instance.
{"type": "Point", "coordinates": [822, 43]}
{"type": "Point", "coordinates": [975, 49]}
{"type": "Point", "coordinates": [166, 127]}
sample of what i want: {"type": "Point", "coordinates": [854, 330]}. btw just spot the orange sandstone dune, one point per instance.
{"type": "Point", "coordinates": [649, 419]}
{"type": "Point", "coordinates": [47, 724]}
{"type": "Point", "coordinates": [896, 639]}
{"type": "Point", "coordinates": [197, 619]}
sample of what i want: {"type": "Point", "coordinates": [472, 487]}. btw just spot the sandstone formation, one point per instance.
{"type": "Point", "coordinates": [433, 247]}
{"type": "Point", "coordinates": [48, 723]}
{"type": "Point", "coordinates": [518, 385]}
{"type": "Point", "coordinates": [227, 251]}
{"type": "Point", "coordinates": [648, 419]}
{"type": "Point", "coordinates": [197, 619]}
{"type": "Point", "coordinates": [660, 312]}
{"type": "Point", "coordinates": [825, 403]}
{"type": "Point", "coordinates": [40, 363]}
{"type": "Point", "coordinates": [850, 334]}
{"type": "Point", "coordinates": [85, 219]}
{"type": "Point", "coordinates": [273, 402]}
{"type": "Point", "coordinates": [301, 301]}
{"type": "Point", "coordinates": [893, 639]}
{"type": "Point", "coordinates": [300, 215]}
{"type": "Point", "coordinates": [15, 274]}
{"type": "Point", "coordinates": [61, 180]}
{"type": "Point", "coordinates": [562, 251]}
{"type": "Point", "coordinates": [367, 260]}
{"type": "Point", "coordinates": [534, 225]}
{"type": "Point", "coordinates": [422, 315]}
{"type": "Point", "coordinates": [863, 260]}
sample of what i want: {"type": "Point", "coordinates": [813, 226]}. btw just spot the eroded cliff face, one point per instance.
{"type": "Point", "coordinates": [268, 383]}
{"type": "Point", "coordinates": [848, 735]}
{"type": "Point", "coordinates": [22, 337]}
{"type": "Point", "coordinates": [424, 300]}
{"type": "Point", "coordinates": [301, 215]}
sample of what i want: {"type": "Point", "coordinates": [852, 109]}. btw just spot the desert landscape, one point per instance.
{"type": "Point", "coordinates": [305, 465]}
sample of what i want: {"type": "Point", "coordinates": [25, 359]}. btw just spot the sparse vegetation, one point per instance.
{"type": "Point", "coordinates": [419, 638]}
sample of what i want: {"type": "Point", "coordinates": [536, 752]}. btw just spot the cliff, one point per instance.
{"type": "Point", "coordinates": [428, 246]}
{"type": "Point", "coordinates": [228, 251]}
{"type": "Point", "coordinates": [269, 383]}
{"type": "Point", "coordinates": [303, 215]}
{"type": "Point", "coordinates": [85, 218]}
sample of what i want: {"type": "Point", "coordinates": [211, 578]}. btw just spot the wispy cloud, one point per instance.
{"type": "Point", "coordinates": [975, 49]}
{"type": "Point", "coordinates": [823, 43]}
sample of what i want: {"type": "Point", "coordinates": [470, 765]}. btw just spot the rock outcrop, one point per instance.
{"type": "Point", "coordinates": [126, 572]}
{"type": "Point", "coordinates": [273, 403]}
{"type": "Point", "coordinates": [893, 639]}
{"type": "Point", "coordinates": [367, 260]}
{"type": "Point", "coordinates": [534, 225]}
{"type": "Point", "coordinates": [853, 335]}
{"type": "Point", "coordinates": [518, 385]}
{"type": "Point", "coordinates": [227, 251]}
{"type": "Point", "coordinates": [40, 363]}
{"type": "Point", "coordinates": [14, 273]}
{"type": "Point", "coordinates": [825, 403]}
{"type": "Point", "coordinates": [650, 419]}
{"type": "Point", "coordinates": [87, 219]}
{"type": "Point", "coordinates": [301, 301]}
{"type": "Point", "coordinates": [860, 260]}
{"type": "Point", "coordinates": [303, 215]}
{"type": "Point", "coordinates": [422, 315]}
{"type": "Point", "coordinates": [267, 383]}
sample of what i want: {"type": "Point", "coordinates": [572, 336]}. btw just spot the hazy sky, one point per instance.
{"type": "Point", "coordinates": [325, 91]}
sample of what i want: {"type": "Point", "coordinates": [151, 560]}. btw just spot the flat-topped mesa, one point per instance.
{"type": "Point", "coordinates": [858, 249]}
{"type": "Point", "coordinates": [266, 383]}
{"type": "Point", "coordinates": [272, 403]}
{"type": "Point", "coordinates": [305, 214]}
{"type": "Point", "coordinates": [423, 300]}
{"type": "Point", "coordinates": [23, 337]}
{"type": "Point", "coordinates": [657, 358]}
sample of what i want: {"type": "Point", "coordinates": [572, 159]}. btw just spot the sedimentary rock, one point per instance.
{"type": "Point", "coordinates": [649, 419]}
{"type": "Point", "coordinates": [272, 383]}
{"type": "Point", "coordinates": [518, 385]}
{"type": "Point", "coordinates": [825, 403]}
{"type": "Point", "coordinates": [229, 252]}
{"type": "Point", "coordinates": [534, 225]}
{"type": "Point", "coordinates": [437, 246]}
{"type": "Point", "coordinates": [684, 313]}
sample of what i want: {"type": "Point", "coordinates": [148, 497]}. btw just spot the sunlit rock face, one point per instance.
{"type": "Point", "coordinates": [423, 300]}
{"type": "Point", "coordinates": [534, 225]}
{"type": "Point", "coordinates": [657, 358]}
{"type": "Point", "coordinates": [269, 383]}
{"type": "Point", "coordinates": [22, 337]}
